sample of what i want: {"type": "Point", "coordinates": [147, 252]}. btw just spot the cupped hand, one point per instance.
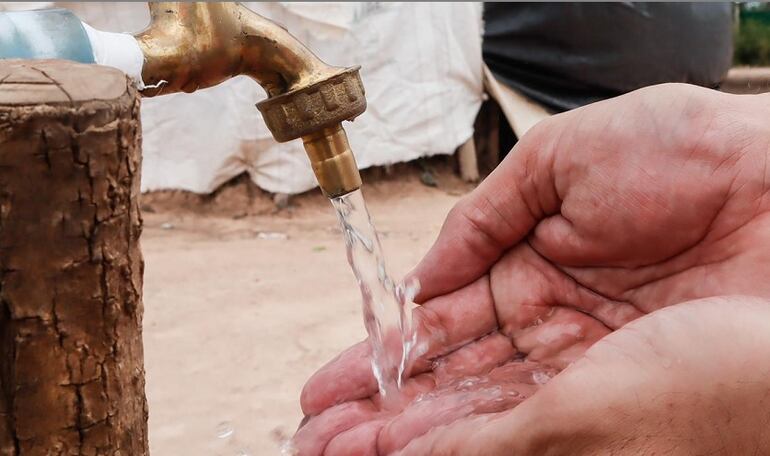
{"type": "Point", "coordinates": [597, 217]}
{"type": "Point", "coordinates": [463, 366]}
{"type": "Point", "coordinates": [659, 385]}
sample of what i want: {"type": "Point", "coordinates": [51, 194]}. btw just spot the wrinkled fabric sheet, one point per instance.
{"type": "Point", "coordinates": [421, 66]}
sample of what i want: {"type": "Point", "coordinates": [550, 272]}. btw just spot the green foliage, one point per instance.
{"type": "Point", "coordinates": [752, 44]}
{"type": "Point", "coordinates": [752, 39]}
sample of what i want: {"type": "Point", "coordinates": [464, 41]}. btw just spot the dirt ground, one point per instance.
{"type": "Point", "coordinates": [243, 302]}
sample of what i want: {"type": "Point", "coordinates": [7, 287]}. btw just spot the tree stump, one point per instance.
{"type": "Point", "coordinates": [71, 360]}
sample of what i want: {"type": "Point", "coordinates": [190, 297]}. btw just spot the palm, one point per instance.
{"type": "Point", "coordinates": [634, 233]}
{"type": "Point", "coordinates": [467, 367]}
{"type": "Point", "coordinates": [558, 248]}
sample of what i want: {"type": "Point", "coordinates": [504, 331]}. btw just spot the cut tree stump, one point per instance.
{"type": "Point", "coordinates": [71, 361]}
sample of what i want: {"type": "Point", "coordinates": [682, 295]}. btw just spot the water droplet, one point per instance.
{"type": "Point", "coordinates": [224, 430]}
{"type": "Point", "coordinates": [469, 382]}
{"type": "Point", "coordinates": [288, 449]}
{"type": "Point", "coordinates": [285, 443]}
{"type": "Point", "coordinates": [272, 235]}
{"type": "Point", "coordinates": [540, 377]}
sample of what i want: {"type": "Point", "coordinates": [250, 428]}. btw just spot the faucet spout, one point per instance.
{"type": "Point", "coordinates": [190, 46]}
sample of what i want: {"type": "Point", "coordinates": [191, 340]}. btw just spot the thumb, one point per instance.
{"type": "Point", "coordinates": [499, 213]}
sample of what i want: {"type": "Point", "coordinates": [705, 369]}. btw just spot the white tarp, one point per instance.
{"type": "Point", "coordinates": [421, 67]}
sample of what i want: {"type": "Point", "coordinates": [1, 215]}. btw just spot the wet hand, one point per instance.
{"type": "Point", "coordinates": [597, 217]}
{"type": "Point", "coordinates": [643, 389]}
{"type": "Point", "coordinates": [606, 213]}
{"type": "Point", "coordinates": [462, 366]}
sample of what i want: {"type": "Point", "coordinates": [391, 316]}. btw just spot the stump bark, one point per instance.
{"type": "Point", "coordinates": [71, 360]}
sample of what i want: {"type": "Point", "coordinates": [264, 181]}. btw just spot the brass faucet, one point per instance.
{"type": "Point", "coordinates": [190, 46]}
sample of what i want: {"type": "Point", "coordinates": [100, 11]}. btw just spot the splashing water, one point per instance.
{"type": "Point", "coordinates": [224, 430]}
{"type": "Point", "coordinates": [386, 317]}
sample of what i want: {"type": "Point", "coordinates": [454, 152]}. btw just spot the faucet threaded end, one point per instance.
{"type": "Point", "coordinates": [332, 160]}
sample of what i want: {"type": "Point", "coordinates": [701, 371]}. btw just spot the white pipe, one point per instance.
{"type": "Point", "coordinates": [118, 50]}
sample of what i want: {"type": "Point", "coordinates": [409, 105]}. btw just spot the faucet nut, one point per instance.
{"type": "Point", "coordinates": [320, 105]}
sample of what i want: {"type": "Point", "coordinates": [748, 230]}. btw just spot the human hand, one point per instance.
{"type": "Point", "coordinates": [606, 213]}
{"type": "Point", "coordinates": [597, 217]}
{"type": "Point", "coordinates": [659, 385]}
{"type": "Point", "coordinates": [463, 367]}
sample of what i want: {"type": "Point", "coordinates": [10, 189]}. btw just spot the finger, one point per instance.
{"type": "Point", "coordinates": [488, 430]}
{"type": "Point", "coordinates": [356, 433]}
{"type": "Point", "coordinates": [346, 377]}
{"type": "Point", "coordinates": [452, 321]}
{"type": "Point", "coordinates": [476, 359]}
{"type": "Point", "coordinates": [549, 316]}
{"type": "Point", "coordinates": [499, 213]}
{"type": "Point", "coordinates": [443, 324]}
{"type": "Point", "coordinates": [475, 395]}
{"type": "Point", "coordinates": [491, 351]}
{"type": "Point", "coordinates": [561, 338]}
{"type": "Point", "coordinates": [410, 389]}
{"type": "Point", "coordinates": [461, 437]}
{"type": "Point", "coordinates": [358, 441]}
{"type": "Point", "coordinates": [420, 418]}
{"type": "Point", "coordinates": [523, 372]}
{"type": "Point", "coordinates": [311, 439]}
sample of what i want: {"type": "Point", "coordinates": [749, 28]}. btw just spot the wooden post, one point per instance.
{"type": "Point", "coordinates": [487, 135]}
{"type": "Point", "coordinates": [466, 156]}
{"type": "Point", "coordinates": [71, 361]}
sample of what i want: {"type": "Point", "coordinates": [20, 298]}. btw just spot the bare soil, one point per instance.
{"type": "Point", "coordinates": [243, 301]}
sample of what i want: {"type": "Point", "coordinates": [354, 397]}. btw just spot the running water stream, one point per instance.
{"type": "Point", "coordinates": [386, 316]}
